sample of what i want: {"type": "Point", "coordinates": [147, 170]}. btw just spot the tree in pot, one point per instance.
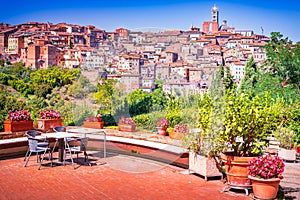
{"type": "Point", "coordinates": [248, 121]}
{"type": "Point", "coordinates": [265, 173]}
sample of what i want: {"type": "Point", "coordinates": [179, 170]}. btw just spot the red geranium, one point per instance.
{"type": "Point", "coordinates": [19, 115]}
{"type": "Point", "coordinates": [266, 167]}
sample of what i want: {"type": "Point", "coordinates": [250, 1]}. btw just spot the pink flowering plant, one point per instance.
{"type": "Point", "coordinates": [93, 119]}
{"type": "Point", "coordinates": [181, 128]}
{"type": "Point", "coordinates": [19, 115]}
{"type": "Point", "coordinates": [49, 114]}
{"type": "Point", "coordinates": [266, 167]}
{"type": "Point", "coordinates": [163, 123]}
{"type": "Point", "coordinates": [128, 120]}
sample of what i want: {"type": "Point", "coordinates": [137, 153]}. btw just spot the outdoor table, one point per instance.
{"type": "Point", "coordinates": [60, 136]}
{"type": "Point", "coordinates": [84, 131]}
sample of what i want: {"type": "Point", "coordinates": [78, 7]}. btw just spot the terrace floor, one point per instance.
{"type": "Point", "coordinates": [115, 177]}
{"type": "Point", "coordinates": [120, 176]}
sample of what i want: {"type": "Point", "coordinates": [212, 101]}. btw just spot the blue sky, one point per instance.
{"type": "Point", "coordinates": [281, 16]}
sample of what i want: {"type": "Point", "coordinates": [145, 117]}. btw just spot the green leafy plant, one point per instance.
{"type": "Point", "coordinates": [248, 122]}
{"type": "Point", "coordinates": [286, 137]}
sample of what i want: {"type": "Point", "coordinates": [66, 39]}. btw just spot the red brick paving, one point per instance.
{"type": "Point", "coordinates": [105, 182]}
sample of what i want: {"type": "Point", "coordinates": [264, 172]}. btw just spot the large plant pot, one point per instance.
{"type": "Point", "coordinates": [127, 127]}
{"type": "Point", "coordinates": [162, 131]}
{"type": "Point", "coordinates": [236, 169]}
{"type": "Point", "coordinates": [202, 165]}
{"type": "Point", "coordinates": [265, 188]}
{"type": "Point", "coordinates": [176, 135]}
{"type": "Point", "coordinates": [15, 126]}
{"type": "Point", "coordinates": [46, 124]}
{"type": "Point", "coordinates": [97, 125]}
{"type": "Point", "coordinates": [287, 154]}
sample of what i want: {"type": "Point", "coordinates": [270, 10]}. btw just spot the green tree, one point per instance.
{"type": "Point", "coordinates": [139, 102]}
{"type": "Point", "coordinates": [251, 75]}
{"type": "Point", "coordinates": [283, 57]}
{"type": "Point", "coordinates": [104, 95]}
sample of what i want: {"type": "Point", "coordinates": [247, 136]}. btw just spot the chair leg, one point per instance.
{"type": "Point", "coordinates": [26, 154]}
{"type": "Point", "coordinates": [54, 146]}
{"type": "Point", "coordinates": [42, 159]}
{"type": "Point", "coordinates": [28, 157]}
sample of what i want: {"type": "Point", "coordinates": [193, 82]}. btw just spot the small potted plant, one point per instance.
{"type": "Point", "coordinates": [179, 131]}
{"type": "Point", "coordinates": [162, 125]}
{"type": "Point", "coordinates": [93, 122]}
{"type": "Point", "coordinates": [265, 173]}
{"type": "Point", "coordinates": [200, 159]}
{"type": "Point", "coordinates": [18, 120]}
{"type": "Point", "coordinates": [286, 138]}
{"type": "Point", "coordinates": [126, 124]}
{"type": "Point", "coordinates": [49, 119]}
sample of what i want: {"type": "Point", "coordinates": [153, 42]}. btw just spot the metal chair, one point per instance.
{"type": "Point", "coordinates": [34, 148]}
{"type": "Point", "coordinates": [41, 142]}
{"type": "Point", "coordinates": [78, 146]}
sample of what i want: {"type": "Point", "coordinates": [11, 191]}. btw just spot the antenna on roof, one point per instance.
{"type": "Point", "coordinates": [262, 30]}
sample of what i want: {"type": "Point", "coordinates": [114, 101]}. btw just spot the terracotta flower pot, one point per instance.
{"type": "Point", "coordinates": [236, 169]}
{"type": "Point", "coordinates": [162, 130]}
{"type": "Point", "coordinates": [265, 188]}
{"type": "Point", "coordinates": [15, 126]}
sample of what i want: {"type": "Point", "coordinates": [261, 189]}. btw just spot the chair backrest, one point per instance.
{"type": "Point", "coordinates": [32, 144]}
{"type": "Point", "coordinates": [31, 133]}
{"type": "Point", "coordinates": [60, 128]}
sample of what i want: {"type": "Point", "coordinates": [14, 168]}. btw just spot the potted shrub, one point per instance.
{"type": "Point", "coordinates": [265, 173]}
{"type": "Point", "coordinates": [126, 124]}
{"type": "Point", "coordinates": [286, 138]}
{"type": "Point", "coordinates": [162, 125]}
{"type": "Point", "coordinates": [18, 120]}
{"type": "Point", "coordinates": [248, 120]}
{"type": "Point", "coordinates": [93, 122]}
{"type": "Point", "coordinates": [200, 160]}
{"type": "Point", "coordinates": [48, 119]}
{"type": "Point", "coordinates": [179, 131]}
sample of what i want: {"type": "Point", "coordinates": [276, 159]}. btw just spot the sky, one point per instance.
{"type": "Point", "coordinates": [261, 16]}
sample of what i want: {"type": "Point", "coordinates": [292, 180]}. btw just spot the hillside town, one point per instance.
{"type": "Point", "coordinates": [182, 60]}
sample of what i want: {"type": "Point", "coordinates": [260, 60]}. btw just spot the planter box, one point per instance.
{"type": "Point", "coordinates": [127, 127]}
{"type": "Point", "coordinates": [176, 135]}
{"type": "Point", "coordinates": [287, 154]}
{"type": "Point", "coordinates": [203, 165]}
{"type": "Point", "coordinates": [15, 126]}
{"type": "Point", "coordinates": [46, 124]}
{"type": "Point", "coordinates": [97, 125]}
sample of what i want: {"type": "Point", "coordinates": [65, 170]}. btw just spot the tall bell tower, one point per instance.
{"type": "Point", "coordinates": [215, 14]}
